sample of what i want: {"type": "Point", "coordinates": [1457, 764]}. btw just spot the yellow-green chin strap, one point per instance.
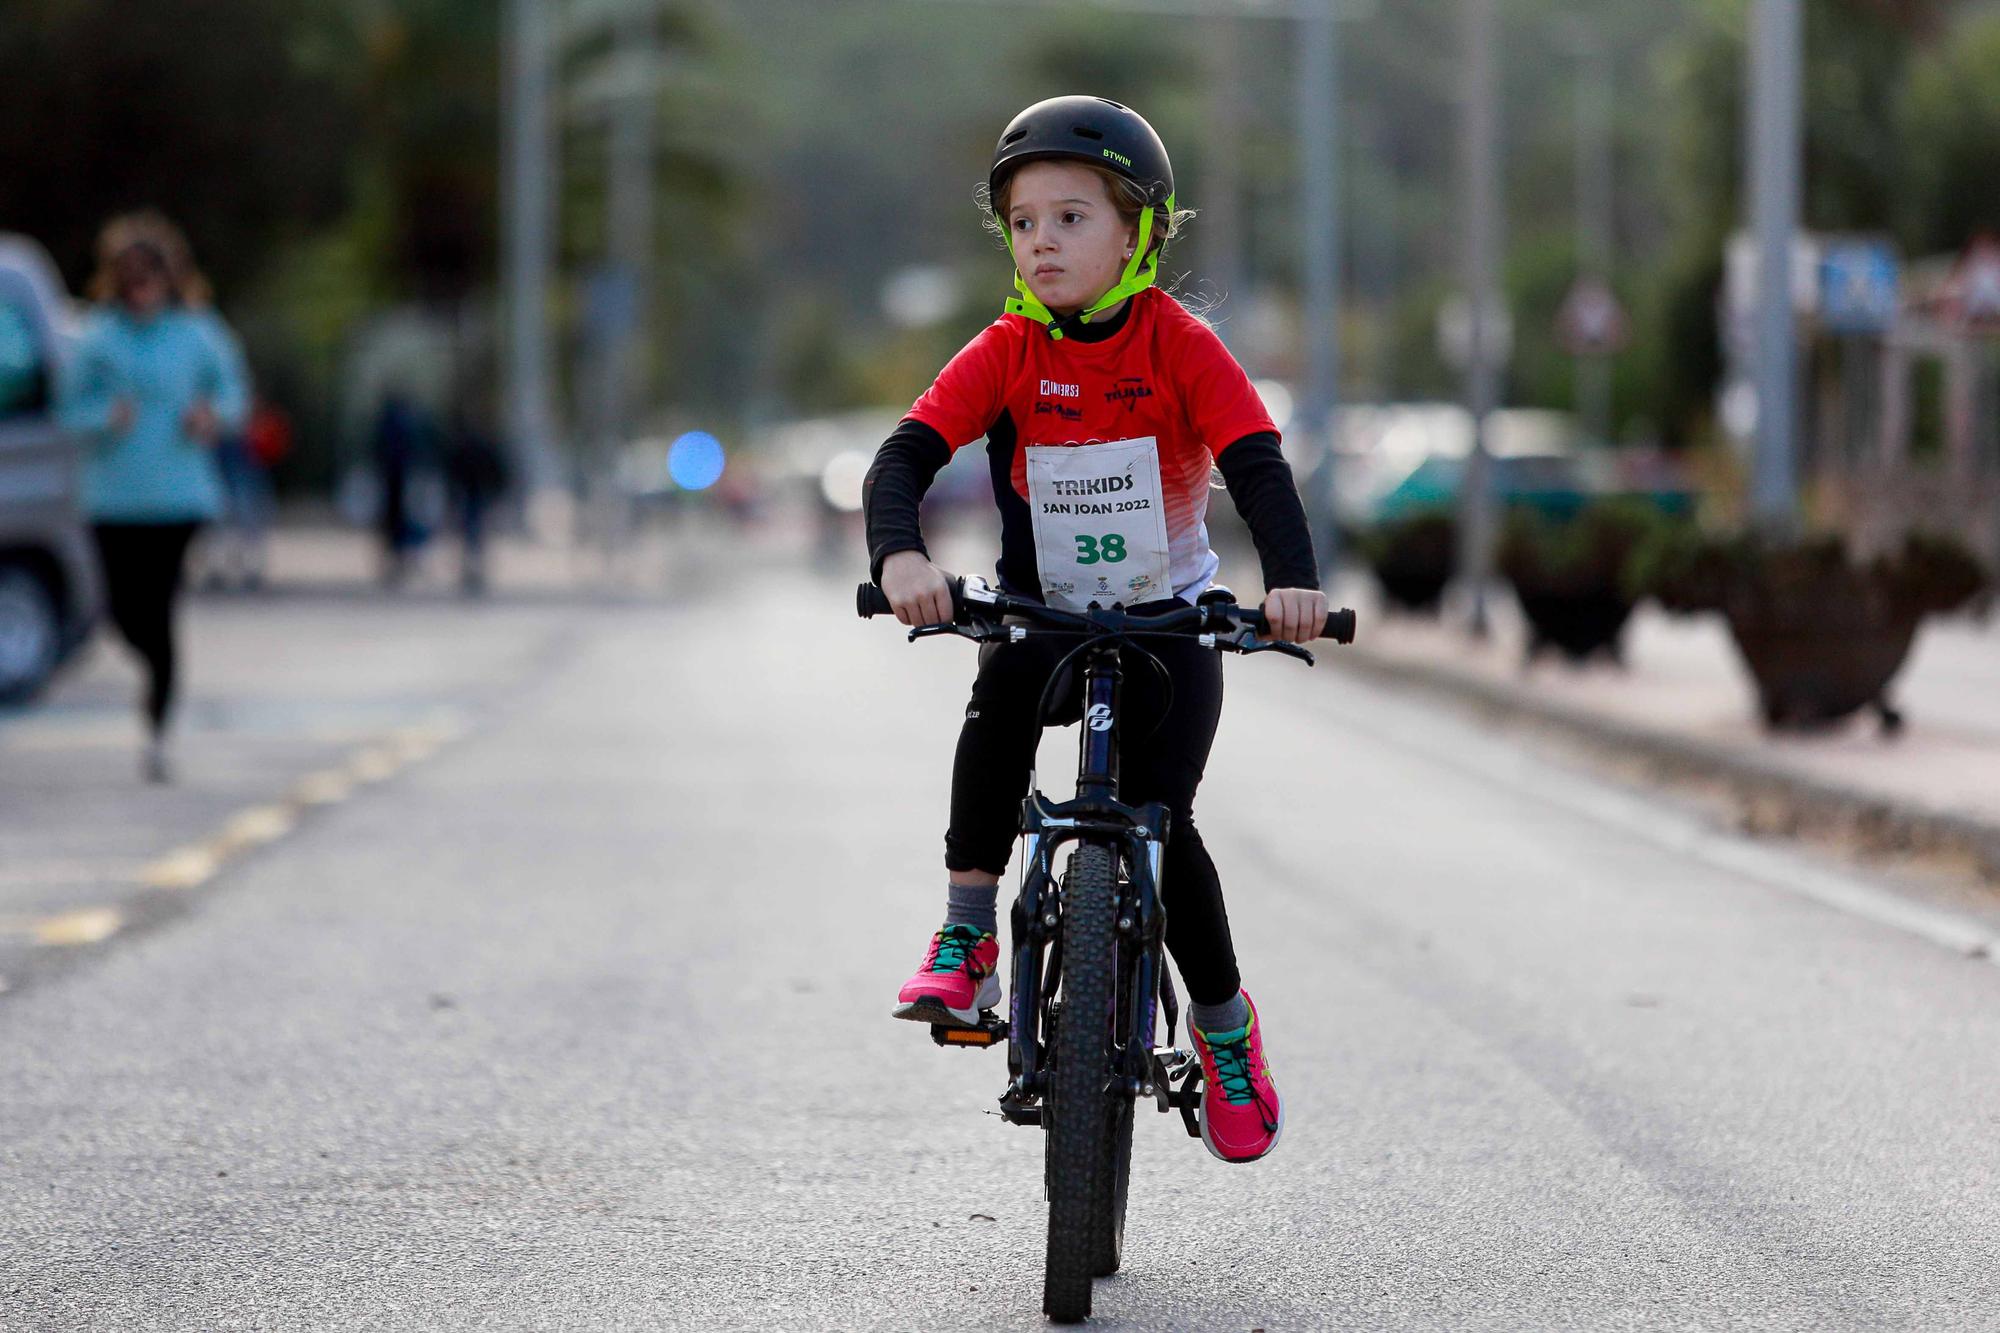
{"type": "Point", "coordinates": [1141, 271]}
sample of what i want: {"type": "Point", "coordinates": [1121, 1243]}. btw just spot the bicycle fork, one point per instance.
{"type": "Point", "coordinates": [1139, 834]}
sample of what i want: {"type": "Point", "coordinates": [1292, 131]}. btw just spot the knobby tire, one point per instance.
{"type": "Point", "coordinates": [1085, 1210]}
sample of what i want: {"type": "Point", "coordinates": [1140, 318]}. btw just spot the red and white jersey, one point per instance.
{"type": "Point", "coordinates": [1162, 374]}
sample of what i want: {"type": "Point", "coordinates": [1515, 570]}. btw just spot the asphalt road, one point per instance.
{"type": "Point", "coordinates": [580, 1022]}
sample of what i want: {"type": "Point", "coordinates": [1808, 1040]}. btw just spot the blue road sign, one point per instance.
{"type": "Point", "coordinates": [1859, 286]}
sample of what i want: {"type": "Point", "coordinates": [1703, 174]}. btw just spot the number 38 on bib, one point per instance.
{"type": "Point", "coordinates": [1100, 529]}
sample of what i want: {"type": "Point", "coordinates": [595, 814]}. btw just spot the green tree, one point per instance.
{"type": "Point", "coordinates": [1949, 127]}
{"type": "Point", "coordinates": [214, 111]}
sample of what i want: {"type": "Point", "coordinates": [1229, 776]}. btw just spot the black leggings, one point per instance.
{"type": "Point", "coordinates": [142, 564]}
{"type": "Point", "coordinates": [996, 750]}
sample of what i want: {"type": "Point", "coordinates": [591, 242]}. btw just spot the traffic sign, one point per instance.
{"type": "Point", "coordinates": [1860, 286]}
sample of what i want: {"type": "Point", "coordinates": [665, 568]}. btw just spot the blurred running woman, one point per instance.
{"type": "Point", "coordinates": [156, 380]}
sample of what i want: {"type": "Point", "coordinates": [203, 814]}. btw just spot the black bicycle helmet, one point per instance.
{"type": "Point", "coordinates": [1103, 133]}
{"type": "Point", "coordinates": [1087, 129]}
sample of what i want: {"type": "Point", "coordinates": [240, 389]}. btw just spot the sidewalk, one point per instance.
{"type": "Point", "coordinates": [1684, 708]}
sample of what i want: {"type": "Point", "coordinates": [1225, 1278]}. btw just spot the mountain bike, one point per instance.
{"type": "Point", "coordinates": [1088, 975]}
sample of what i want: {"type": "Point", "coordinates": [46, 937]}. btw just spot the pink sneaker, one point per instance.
{"type": "Point", "coordinates": [1241, 1116]}
{"type": "Point", "coordinates": [956, 981]}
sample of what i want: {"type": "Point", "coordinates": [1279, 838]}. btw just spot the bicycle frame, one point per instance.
{"type": "Point", "coordinates": [1139, 834]}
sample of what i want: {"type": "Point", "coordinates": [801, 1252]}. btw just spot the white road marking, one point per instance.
{"type": "Point", "coordinates": [329, 786]}
{"type": "Point", "coordinates": [1516, 769]}
{"type": "Point", "coordinates": [257, 825]}
{"type": "Point", "coordinates": [183, 868]}
{"type": "Point", "coordinates": [87, 925]}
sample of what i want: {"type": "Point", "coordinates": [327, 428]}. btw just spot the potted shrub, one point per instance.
{"type": "Point", "coordinates": [1822, 634]}
{"type": "Point", "coordinates": [1568, 574]}
{"type": "Point", "coordinates": [1413, 557]}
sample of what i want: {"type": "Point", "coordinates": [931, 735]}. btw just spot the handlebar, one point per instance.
{"type": "Point", "coordinates": [992, 607]}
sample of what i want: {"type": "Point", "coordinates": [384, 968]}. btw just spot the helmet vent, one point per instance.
{"type": "Point", "coordinates": [1015, 137]}
{"type": "Point", "coordinates": [1086, 132]}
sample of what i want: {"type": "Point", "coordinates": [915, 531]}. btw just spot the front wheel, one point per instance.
{"type": "Point", "coordinates": [30, 634]}
{"type": "Point", "coordinates": [1080, 1113]}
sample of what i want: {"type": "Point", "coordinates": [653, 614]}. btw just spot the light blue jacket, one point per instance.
{"type": "Point", "coordinates": [153, 472]}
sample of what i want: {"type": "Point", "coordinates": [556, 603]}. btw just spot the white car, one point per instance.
{"type": "Point", "coordinates": [49, 591]}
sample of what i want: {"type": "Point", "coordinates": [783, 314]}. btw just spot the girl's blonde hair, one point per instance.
{"type": "Point", "coordinates": [148, 230]}
{"type": "Point", "coordinates": [1127, 196]}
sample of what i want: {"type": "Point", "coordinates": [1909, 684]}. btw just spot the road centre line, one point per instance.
{"type": "Point", "coordinates": [195, 864]}
{"type": "Point", "coordinates": [85, 925]}
{"type": "Point", "coordinates": [254, 826]}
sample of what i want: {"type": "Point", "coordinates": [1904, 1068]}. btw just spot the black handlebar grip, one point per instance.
{"type": "Point", "coordinates": [1339, 624]}
{"type": "Point", "coordinates": [870, 600]}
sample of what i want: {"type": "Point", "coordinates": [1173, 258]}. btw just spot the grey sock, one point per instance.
{"type": "Point", "coordinates": [972, 905]}
{"type": "Point", "coordinates": [1231, 1014]}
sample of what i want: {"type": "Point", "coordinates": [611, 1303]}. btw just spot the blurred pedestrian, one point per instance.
{"type": "Point", "coordinates": [234, 552]}
{"type": "Point", "coordinates": [156, 380]}
{"type": "Point", "coordinates": [476, 472]}
{"type": "Point", "coordinates": [397, 444]}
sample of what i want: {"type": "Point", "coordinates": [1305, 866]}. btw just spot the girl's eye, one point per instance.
{"type": "Point", "coordinates": [1072, 218]}
{"type": "Point", "coordinates": [1020, 224]}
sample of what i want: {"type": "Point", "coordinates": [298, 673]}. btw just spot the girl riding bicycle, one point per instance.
{"type": "Point", "coordinates": [1105, 405]}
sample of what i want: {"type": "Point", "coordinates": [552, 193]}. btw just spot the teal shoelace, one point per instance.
{"type": "Point", "coordinates": [955, 944]}
{"type": "Point", "coordinates": [1232, 1065]}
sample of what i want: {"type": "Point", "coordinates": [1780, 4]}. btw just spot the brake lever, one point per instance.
{"type": "Point", "coordinates": [931, 631]}
{"type": "Point", "coordinates": [1248, 642]}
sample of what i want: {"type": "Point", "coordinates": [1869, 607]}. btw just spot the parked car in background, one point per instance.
{"type": "Point", "coordinates": [48, 575]}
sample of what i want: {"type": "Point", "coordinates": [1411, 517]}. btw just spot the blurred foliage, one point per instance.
{"type": "Point", "coordinates": [1950, 119]}
{"type": "Point", "coordinates": [1584, 554]}
{"type": "Point", "coordinates": [243, 135]}
{"type": "Point", "coordinates": [1413, 557]}
{"type": "Point", "coordinates": [1691, 571]}
{"type": "Point", "coordinates": [1902, 126]}
{"type": "Point", "coordinates": [333, 159]}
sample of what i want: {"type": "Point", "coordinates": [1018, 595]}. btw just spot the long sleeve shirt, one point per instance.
{"type": "Point", "coordinates": [152, 471]}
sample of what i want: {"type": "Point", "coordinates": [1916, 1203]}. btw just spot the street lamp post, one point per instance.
{"type": "Point", "coordinates": [1479, 163]}
{"type": "Point", "coordinates": [1319, 119]}
{"type": "Point", "coordinates": [1776, 39]}
{"type": "Point", "coordinates": [629, 230]}
{"type": "Point", "coordinates": [528, 169]}
{"type": "Point", "coordinates": [1594, 220]}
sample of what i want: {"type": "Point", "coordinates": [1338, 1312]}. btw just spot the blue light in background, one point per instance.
{"type": "Point", "coordinates": [695, 461]}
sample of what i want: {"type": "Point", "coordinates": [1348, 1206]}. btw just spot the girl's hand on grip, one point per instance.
{"type": "Point", "coordinates": [918, 591]}
{"type": "Point", "coordinates": [1297, 615]}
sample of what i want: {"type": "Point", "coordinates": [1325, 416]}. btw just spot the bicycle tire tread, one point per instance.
{"type": "Point", "coordinates": [1079, 1126]}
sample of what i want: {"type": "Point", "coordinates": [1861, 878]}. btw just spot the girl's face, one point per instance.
{"type": "Point", "coordinates": [1069, 242]}
{"type": "Point", "coordinates": [141, 278]}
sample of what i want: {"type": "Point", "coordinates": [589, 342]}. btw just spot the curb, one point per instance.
{"type": "Point", "coordinates": [1775, 800]}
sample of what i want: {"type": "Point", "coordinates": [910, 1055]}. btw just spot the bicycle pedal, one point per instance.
{"type": "Point", "coordinates": [991, 1031]}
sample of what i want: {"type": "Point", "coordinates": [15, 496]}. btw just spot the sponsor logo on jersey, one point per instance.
{"type": "Point", "coordinates": [1061, 410]}
{"type": "Point", "coordinates": [1128, 391]}
{"type": "Point", "coordinates": [1052, 389]}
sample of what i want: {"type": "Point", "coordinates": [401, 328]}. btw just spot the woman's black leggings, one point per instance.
{"type": "Point", "coordinates": [142, 564]}
{"type": "Point", "coordinates": [996, 750]}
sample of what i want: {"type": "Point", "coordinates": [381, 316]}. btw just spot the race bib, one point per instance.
{"type": "Point", "coordinates": [1100, 527]}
